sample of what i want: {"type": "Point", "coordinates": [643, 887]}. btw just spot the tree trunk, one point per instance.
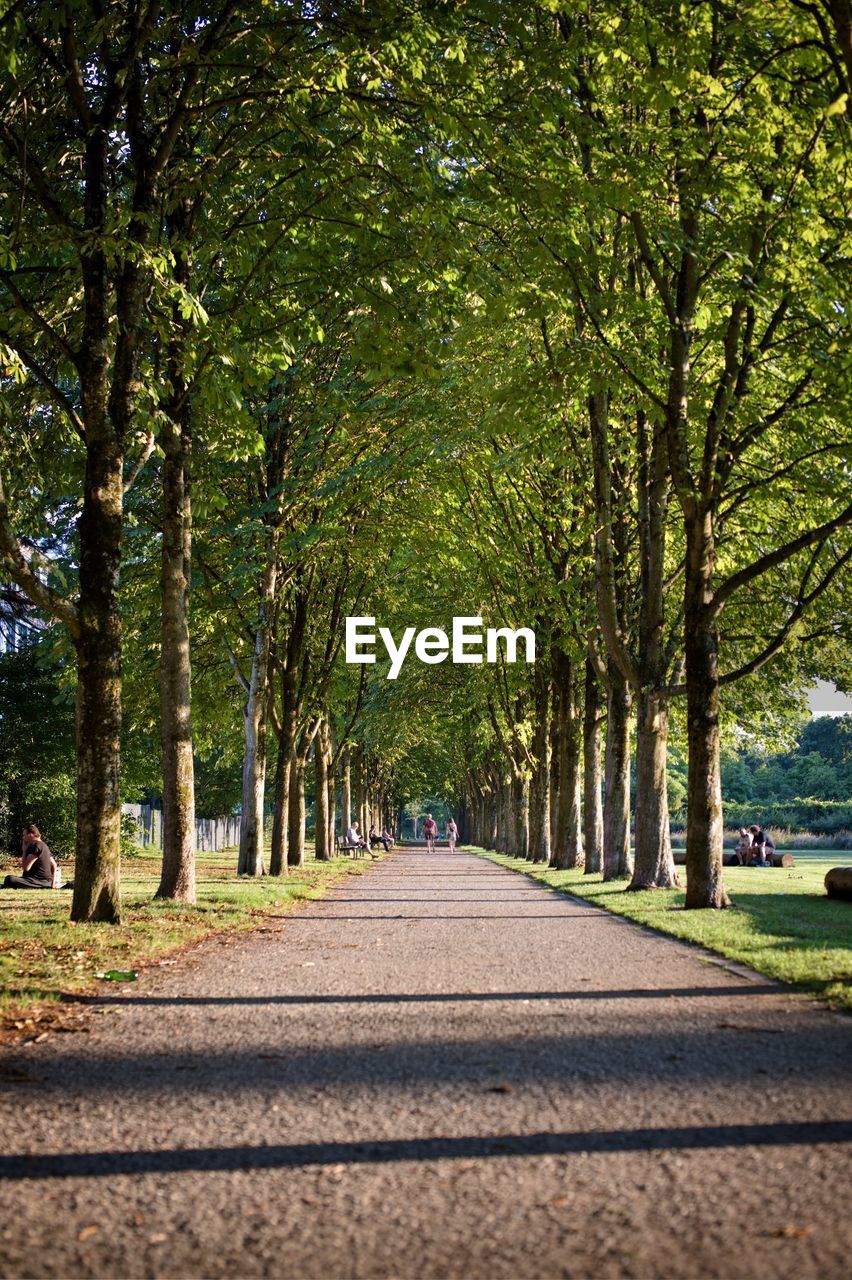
{"type": "Point", "coordinates": [704, 886]}
{"type": "Point", "coordinates": [296, 815]}
{"type": "Point", "coordinates": [255, 717]}
{"type": "Point", "coordinates": [517, 810]}
{"type": "Point", "coordinates": [345, 790]}
{"type": "Point", "coordinates": [539, 840]}
{"type": "Point", "coordinates": [98, 721]}
{"type": "Point", "coordinates": [178, 873]}
{"type": "Point", "coordinates": [654, 865]}
{"type": "Point", "coordinates": [278, 846]}
{"type": "Point", "coordinates": [592, 803]}
{"type": "Point", "coordinates": [321, 850]}
{"type": "Point", "coordinates": [567, 850]}
{"type": "Point", "coordinates": [97, 894]}
{"type": "Point", "coordinates": [616, 852]}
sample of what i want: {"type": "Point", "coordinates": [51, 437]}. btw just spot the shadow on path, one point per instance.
{"type": "Point", "coordinates": [102, 1164]}
{"type": "Point", "coordinates": [441, 997]}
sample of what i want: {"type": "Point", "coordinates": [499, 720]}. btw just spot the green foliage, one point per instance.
{"type": "Point", "coordinates": [36, 748]}
{"type": "Point", "coordinates": [820, 816]}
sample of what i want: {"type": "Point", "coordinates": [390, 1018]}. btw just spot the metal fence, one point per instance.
{"type": "Point", "coordinates": [211, 834]}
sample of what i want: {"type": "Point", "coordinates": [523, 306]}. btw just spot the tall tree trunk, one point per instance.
{"type": "Point", "coordinates": [555, 759]}
{"type": "Point", "coordinates": [493, 813]}
{"type": "Point", "coordinates": [98, 642]}
{"type": "Point", "coordinates": [592, 801]}
{"type": "Point", "coordinates": [321, 795]}
{"type": "Point", "coordinates": [539, 841]}
{"type": "Point", "coordinates": [255, 721]}
{"type": "Point", "coordinates": [568, 852]}
{"type": "Point", "coordinates": [281, 809]}
{"type": "Point", "coordinates": [517, 810]}
{"type": "Point", "coordinates": [654, 865]}
{"type": "Point", "coordinates": [616, 855]}
{"type": "Point", "coordinates": [98, 720]}
{"type": "Point", "coordinates": [345, 790]}
{"type": "Point", "coordinates": [296, 815]}
{"type": "Point", "coordinates": [704, 886]}
{"type": "Point", "coordinates": [178, 873]}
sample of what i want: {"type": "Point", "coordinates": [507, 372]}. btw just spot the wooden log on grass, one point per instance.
{"type": "Point", "coordinates": [838, 883]}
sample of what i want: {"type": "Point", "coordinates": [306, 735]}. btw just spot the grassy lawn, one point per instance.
{"type": "Point", "coordinates": [782, 923]}
{"type": "Point", "coordinates": [43, 956]}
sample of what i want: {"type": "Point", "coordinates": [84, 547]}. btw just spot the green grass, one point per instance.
{"type": "Point", "coordinates": [44, 956]}
{"type": "Point", "coordinates": [782, 923]}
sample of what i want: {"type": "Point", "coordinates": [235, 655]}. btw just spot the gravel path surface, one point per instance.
{"type": "Point", "coordinates": [440, 1070]}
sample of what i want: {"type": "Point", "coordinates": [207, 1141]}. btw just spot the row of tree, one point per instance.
{"type": "Point", "coordinates": [415, 311]}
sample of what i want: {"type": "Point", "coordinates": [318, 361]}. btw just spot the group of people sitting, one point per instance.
{"type": "Point", "coordinates": [754, 848]}
{"type": "Point", "coordinates": [39, 869]}
{"type": "Point", "coordinates": [353, 837]}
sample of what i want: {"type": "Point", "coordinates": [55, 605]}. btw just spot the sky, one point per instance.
{"type": "Point", "coordinates": [826, 700]}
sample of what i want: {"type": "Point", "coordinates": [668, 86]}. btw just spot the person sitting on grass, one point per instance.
{"type": "Point", "coordinates": [38, 864]}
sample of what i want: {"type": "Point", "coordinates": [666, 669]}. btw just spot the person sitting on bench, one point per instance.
{"type": "Point", "coordinates": [388, 837]}
{"type": "Point", "coordinates": [354, 837]}
{"type": "Point", "coordinates": [375, 839]}
{"type": "Point", "coordinates": [38, 864]}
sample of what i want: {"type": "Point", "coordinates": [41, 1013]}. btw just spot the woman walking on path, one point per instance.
{"type": "Point", "coordinates": [430, 830]}
{"type": "Point", "coordinates": [452, 834]}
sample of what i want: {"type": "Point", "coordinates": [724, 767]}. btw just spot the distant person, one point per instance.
{"type": "Point", "coordinates": [37, 863]}
{"type": "Point", "coordinates": [375, 839]}
{"type": "Point", "coordinates": [430, 830]}
{"type": "Point", "coordinates": [763, 847]}
{"type": "Point", "coordinates": [452, 834]}
{"type": "Point", "coordinates": [389, 837]}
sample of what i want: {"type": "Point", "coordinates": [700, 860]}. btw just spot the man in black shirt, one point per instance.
{"type": "Point", "coordinates": [38, 863]}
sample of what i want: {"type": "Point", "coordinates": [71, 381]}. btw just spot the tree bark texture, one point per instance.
{"type": "Point", "coordinates": [178, 874]}
{"type": "Point", "coordinates": [616, 852]}
{"type": "Point", "coordinates": [704, 885]}
{"type": "Point", "coordinates": [592, 799]}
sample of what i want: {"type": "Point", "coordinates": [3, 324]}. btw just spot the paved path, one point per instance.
{"type": "Point", "coordinates": [440, 1070]}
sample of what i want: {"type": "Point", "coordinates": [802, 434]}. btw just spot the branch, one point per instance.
{"type": "Point", "coordinates": [38, 319]}
{"type": "Point", "coordinates": [41, 375]}
{"type": "Point", "coordinates": [773, 558]}
{"type": "Point", "coordinates": [17, 566]}
{"type": "Point", "coordinates": [144, 455]}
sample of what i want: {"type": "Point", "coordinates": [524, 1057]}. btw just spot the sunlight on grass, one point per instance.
{"type": "Point", "coordinates": [782, 923]}
{"type": "Point", "coordinates": [43, 955]}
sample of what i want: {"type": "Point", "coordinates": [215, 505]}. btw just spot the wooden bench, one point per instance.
{"type": "Point", "coordinates": [342, 845]}
{"type": "Point", "coordinates": [838, 883]}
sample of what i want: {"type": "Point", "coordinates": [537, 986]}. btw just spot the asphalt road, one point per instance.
{"type": "Point", "coordinates": [440, 1070]}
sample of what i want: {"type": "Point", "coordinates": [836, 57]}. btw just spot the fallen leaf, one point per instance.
{"type": "Point", "coordinates": [792, 1232]}
{"type": "Point", "coordinates": [87, 1233]}
{"type": "Point", "coordinates": [502, 1087]}
{"type": "Point", "coordinates": [159, 1237]}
